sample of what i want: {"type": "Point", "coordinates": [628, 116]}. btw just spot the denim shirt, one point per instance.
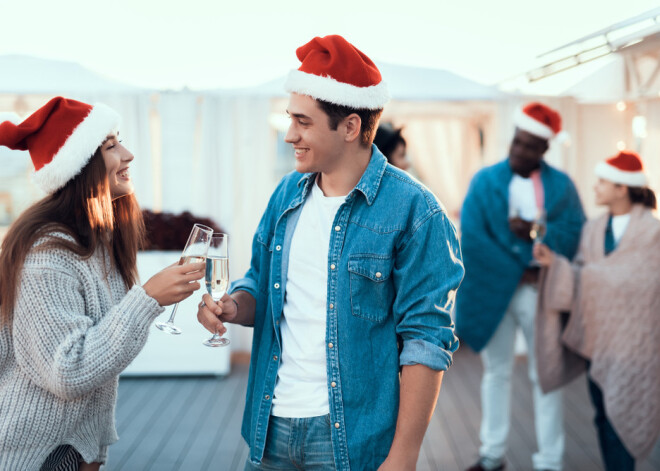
{"type": "Point", "coordinates": [394, 266]}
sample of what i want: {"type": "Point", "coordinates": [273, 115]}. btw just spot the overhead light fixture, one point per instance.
{"type": "Point", "coordinates": [621, 106]}
{"type": "Point", "coordinates": [639, 126]}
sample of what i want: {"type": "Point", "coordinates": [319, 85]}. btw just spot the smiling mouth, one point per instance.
{"type": "Point", "coordinates": [124, 174]}
{"type": "Point", "coordinates": [299, 152]}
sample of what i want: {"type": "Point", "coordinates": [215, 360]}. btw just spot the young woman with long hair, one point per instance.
{"type": "Point", "coordinates": [72, 315]}
{"type": "Point", "coordinates": [612, 290]}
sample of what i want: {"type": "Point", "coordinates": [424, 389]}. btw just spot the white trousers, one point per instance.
{"type": "Point", "coordinates": [498, 359]}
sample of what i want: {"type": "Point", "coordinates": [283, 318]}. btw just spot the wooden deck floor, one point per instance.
{"type": "Point", "coordinates": [192, 424]}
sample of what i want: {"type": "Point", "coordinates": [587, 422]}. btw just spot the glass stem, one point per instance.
{"type": "Point", "coordinates": [171, 319]}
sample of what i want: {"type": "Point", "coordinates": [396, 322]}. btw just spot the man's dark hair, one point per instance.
{"type": "Point", "coordinates": [369, 118]}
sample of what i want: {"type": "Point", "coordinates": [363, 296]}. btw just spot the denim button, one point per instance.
{"type": "Point", "coordinates": [337, 228]}
{"type": "Point", "coordinates": [336, 424]}
{"type": "Point", "coordinates": [332, 267]}
{"type": "Point", "coordinates": [276, 286]}
{"type": "Point", "coordinates": [378, 274]}
{"type": "Point", "coordinates": [332, 306]}
{"type": "Point", "coordinates": [330, 345]}
{"type": "Point", "coordinates": [333, 384]}
{"type": "Point", "coordinates": [275, 357]}
{"type": "Point", "coordinates": [278, 248]}
{"type": "Point", "coordinates": [267, 397]}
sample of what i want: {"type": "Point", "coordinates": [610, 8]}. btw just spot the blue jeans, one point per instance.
{"type": "Point", "coordinates": [297, 444]}
{"type": "Point", "coordinates": [614, 453]}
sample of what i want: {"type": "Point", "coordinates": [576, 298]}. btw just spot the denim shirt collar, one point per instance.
{"type": "Point", "coordinates": [369, 182]}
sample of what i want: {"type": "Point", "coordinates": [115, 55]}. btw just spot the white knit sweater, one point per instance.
{"type": "Point", "coordinates": [73, 331]}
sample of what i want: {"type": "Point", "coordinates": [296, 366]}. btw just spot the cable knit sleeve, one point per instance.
{"type": "Point", "coordinates": [60, 347]}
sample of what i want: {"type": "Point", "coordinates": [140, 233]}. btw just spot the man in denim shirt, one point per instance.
{"type": "Point", "coordinates": [354, 273]}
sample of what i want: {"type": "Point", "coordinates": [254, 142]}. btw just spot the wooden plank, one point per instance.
{"type": "Point", "coordinates": [142, 422]}
{"type": "Point", "coordinates": [154, 449]}
{"type": "Point", "coordinates": [163, 422]}
{"type": "Point", "coordinates": [240, 456]}
{"type": "Point", "coordinates": [182, 440]}
{"type": "Point", "coordinates": [172, 424]}
{"type": "Point", "coordinates": [127, 408]}
{"type": "Point", "coordinates": [459, 410]}
{"type": "Point", "coordinates": [518, 455]}
{"type": "Point", "coordinates": [211, 424]}
{"type": "Point", "coordinates": [228, 437]}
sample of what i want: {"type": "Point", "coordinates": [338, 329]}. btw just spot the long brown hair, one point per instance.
{"type": "Point", "coordinates": [84, 210]}
{"type": "Point", "coordinates": [642, 195]}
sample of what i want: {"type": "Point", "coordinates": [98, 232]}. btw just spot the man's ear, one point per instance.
{"type": "Point", "coordinates": [352, 125]}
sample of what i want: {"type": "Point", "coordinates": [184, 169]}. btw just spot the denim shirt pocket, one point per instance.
{"type": "Point", "coordinates": [372, 293]}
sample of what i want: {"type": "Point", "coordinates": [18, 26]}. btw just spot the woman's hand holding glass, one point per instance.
{"type": "Point", "coordinates": [175, 283]}
{"type": "Point", "coordinates": [195, 251]}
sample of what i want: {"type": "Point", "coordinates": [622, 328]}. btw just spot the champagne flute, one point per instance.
{"type": "Point", "coordinates": [537, 232]}
{"type": "Point", "coordinates": [194, 252]}
{"type": "Point", "coordinates": [217, 278]}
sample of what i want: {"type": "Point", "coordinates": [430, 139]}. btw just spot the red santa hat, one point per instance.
{"type": "Point", "coordinates": [625, 168]}
{"type": "Point", "coordinates": [9, 116]}
{"type": "Point", "coordinates": [61, 137]}
{"type": "Point", "coordinates": [335, 71]}
{"type": "Point", "coordinates": [538, 119]}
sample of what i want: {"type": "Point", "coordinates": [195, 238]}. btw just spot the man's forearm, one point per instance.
{"type": "Point", "coordinates": [420, 386]}
{"type": "Point", "coordinates": [246, 305]}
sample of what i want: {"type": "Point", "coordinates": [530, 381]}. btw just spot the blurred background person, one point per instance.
{"type": "Point", "coordinates": [71, 314]}
{"type": "Point", "coordinates": [499, 292]}
{"type": "Point", "coordinates": [613, 292]}
{"type": "Point", "coordinates": [392, 144]}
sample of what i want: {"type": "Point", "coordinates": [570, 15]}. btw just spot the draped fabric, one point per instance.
{"type": "Point", "coordinates": [494, 257]}
{"type": "Point", "coordinates": [614, 303]}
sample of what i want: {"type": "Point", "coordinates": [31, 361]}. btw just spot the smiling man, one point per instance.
{"type": "Point", "coordinates": [500, 290]}
{"type": "Point", "coordinates": [354, 272]}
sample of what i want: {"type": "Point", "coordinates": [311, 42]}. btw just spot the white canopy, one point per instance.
{"type": "Point", "coordinates": [34, 75]}
{"type": "Point", "coordinates": [405, 83]}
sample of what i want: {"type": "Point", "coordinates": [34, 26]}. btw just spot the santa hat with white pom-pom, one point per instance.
{"type": "Point", "coordinates": [61, 137]}
{"type": "Point", "coordinates": [625, 168]}
{"type": "Point", "coordinates": [540, 120]}
{"type": "Point", "coordinates": [335, 71]}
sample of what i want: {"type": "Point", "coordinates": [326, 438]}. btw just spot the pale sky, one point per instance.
{"type": "Point", "coordinates": [217, 44]}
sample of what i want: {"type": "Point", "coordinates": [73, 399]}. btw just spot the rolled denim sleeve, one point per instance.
{"type": "Point", "coordinates": [427, 274]}
{"type": "Point", "coordinates": [245, 284]}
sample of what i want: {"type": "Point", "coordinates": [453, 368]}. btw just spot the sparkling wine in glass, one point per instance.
{"type": "Point", "coordinates": [194, 252]}
{"type": "Point", "coordinates": [537, 232]}
{"type": "Point", "coordinates": [217, 278]}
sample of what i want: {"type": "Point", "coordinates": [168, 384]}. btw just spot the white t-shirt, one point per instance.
{"type": "Point", "coordinates": [619, 224]}
{"type": "Point", "coordinates": [522, 199]}
{"type": "Point", "coordinates": [302, 387]}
